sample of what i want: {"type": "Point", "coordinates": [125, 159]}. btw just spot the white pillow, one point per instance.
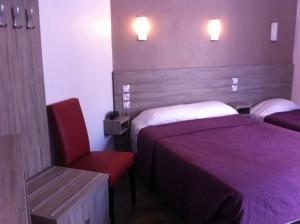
{"type": "Point", "coordinates": [184, 112]}
{"type": "Point", "coordinates": [273, 106]}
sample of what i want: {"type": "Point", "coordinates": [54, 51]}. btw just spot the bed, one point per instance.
{"type": "Point", "coordinates": [280, 112]}
{"type": "Point", "coordinates": [216, 167]}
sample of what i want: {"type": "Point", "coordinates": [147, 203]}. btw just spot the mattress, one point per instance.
{"type": "Point", "coordinates": [230, 169]}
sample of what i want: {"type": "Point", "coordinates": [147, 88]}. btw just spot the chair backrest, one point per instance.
{"type": "Point", "coordinates": [69, 131]}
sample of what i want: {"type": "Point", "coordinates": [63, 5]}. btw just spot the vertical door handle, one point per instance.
{"type": "Point", "coordinates": [29, 19]}
{"type": "Point", "coordinates": [16, 17]}
{"type": "Point", "coordinates": [2, 16]}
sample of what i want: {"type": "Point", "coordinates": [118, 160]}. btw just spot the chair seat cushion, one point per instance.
{"type": "Point", "coordinates": [116, 164]}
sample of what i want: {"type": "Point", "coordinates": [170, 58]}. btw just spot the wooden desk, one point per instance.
{"type": "Point", "coordinates": [61, 195]}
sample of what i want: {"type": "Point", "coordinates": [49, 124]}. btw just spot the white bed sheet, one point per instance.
{"type": "Point", "coordinates": [177, 113]}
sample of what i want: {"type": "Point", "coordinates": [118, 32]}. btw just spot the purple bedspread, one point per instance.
{"type": "Point", "coordinates": [289, 120]}
{"type": "Point", "coordinates": [224, 170]}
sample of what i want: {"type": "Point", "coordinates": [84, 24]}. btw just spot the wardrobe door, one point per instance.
{"type": "Point", "coordinates": [9, 89]}
{"type": "Point", "coordinates": [13, 206]}
{"type": "Point", "coordinates": [35, 140]}
{"type": "Point", "coordinates": [12, 188]}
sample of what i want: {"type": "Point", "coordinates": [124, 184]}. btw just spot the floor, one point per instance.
{"type": "Point", "coordinates": [150, 207]}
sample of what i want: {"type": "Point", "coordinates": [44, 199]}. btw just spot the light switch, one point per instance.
{"type": "Point", "coordinates": [235, 88]}
{"type": "Point", "coordinates": [126, 88]}
{"type": "Point", "coordinates": [126, 105]}
{"type": "Point", "coordinates": [235, 81]}
{"type": "Point", "coordinates": [126, 96]}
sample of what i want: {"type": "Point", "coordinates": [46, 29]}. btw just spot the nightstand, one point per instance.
{"type": "Point", "coordinates": [119, 128]}
{"type": "Point", "coordinates": [241, 107]}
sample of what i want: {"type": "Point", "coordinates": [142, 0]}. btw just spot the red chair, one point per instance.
{"type": "Point", "coordinates": [72, 146]}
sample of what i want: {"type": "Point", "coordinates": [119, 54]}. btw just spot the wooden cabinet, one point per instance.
{"type": "Point", "coordinates": [13, 204]}
{"type": "Point", "coordinates": [22, 94]}
{"type": "Point", "coordinates": [22, 110]}
{"type": "Point", "coordinates": [63, 196]}
{"type": "Point", "coordinates": [34, 126]}
{"type": "Point", "coordinates": [9, 84]}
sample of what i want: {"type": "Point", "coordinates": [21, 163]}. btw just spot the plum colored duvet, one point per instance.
{"type": "Point", "coordinates": [230, 169]}
{"type": "Point", "coordinates": [289, 120]}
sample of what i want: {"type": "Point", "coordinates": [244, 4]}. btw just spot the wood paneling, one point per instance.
{"type": "Point", "coordinates": [155, 88]}
{"type": "Point", "coordinates": [22, 112]}
{"type": "Point", "coordinates": [32, 105]}
{"type": "Point", "coordinates": [9, 88]}
{"type": "Point", "coordinates": [12, 185]}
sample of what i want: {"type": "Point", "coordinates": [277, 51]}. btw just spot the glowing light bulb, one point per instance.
{"type": "Point", "coordinates": [214, 29]}
{"type": "Point", "coordinates": [142, 28]}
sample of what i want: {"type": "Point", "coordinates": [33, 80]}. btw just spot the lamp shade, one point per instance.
{"type": "Point", "coordinates": [142, 28]}
{"type": "Point", "coordinates": [214, 29]}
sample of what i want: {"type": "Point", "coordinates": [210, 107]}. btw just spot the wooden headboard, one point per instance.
{"type": "Point", "coordinates": [155, 88]}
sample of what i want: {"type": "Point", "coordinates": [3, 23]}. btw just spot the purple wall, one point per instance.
{"type": "Point", "coordinates": [179, 33]}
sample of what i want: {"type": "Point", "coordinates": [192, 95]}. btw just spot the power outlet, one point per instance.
{"type": "Point", "coordinates": [235, 88]}
{"type": "Point", "coordinates": [235, 81]}
{"type": "Point", "coordinates": [126, 88]}
{"type": "Point", "coordinates": [126, 97]}
{"type": "Point", "coordinates": [126, 105]}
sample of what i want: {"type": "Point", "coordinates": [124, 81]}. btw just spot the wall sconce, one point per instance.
{"type": "Point", "coordinates": [142, 27]}
{"type": "Point", "coordinates": [214, 29]}
{"type": "Point", "coordinates": [274, 31]}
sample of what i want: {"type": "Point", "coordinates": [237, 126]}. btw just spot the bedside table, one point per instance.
{"type": "Point", "coordinates": [241, 107]}
{"type": "Point", "coordinates": [119, 128]}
